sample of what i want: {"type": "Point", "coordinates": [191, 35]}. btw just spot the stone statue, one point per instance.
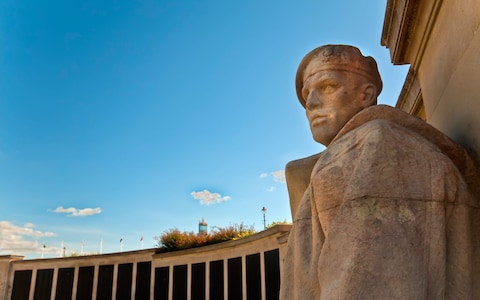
{"type": "Point", "coordinates": [390, 209]}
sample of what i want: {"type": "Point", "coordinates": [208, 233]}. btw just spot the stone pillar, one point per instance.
{"type": "Point", "coordinates": [134, 280]}
{"type": "Point", "coordinates": [75, 282]}
{"type": "Point", "coordinates": [152, 281]}
{"type": "Point", "coordinates": [6, 279]}
{"type": "Point", "coordinates": [189, 281]}
{"type": "Point", "coordinates": [225, 279]}
{"type": "Point", "coordinates": [95, 282]}
{"type": "Point", "coordinates": [244, 277]}
{"type": "Point", "coordinates": [262, 274]}
{"type": "Point", "coordinates": [32, 283]}
{"type": "Point", "coordinates": [54, 284]}
{"type": "Point", "coordinates": [170, 281]}
{"type": "Point", "coordinates": [114, 281]}
{"type": "Point", "coordinates": [207, 280]}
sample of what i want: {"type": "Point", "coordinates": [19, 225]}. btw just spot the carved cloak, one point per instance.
{"type": "Point", "coordinates": [390, 211]}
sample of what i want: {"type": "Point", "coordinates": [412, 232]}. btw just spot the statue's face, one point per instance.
{"type": "Point", "coordinates": [332, 99]}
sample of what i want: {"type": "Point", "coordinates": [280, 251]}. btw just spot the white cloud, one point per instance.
{"type": "Point", "coordinates": [88, 211]}
{"type": "Point", "coordinates": [279, 176]}
{"type": "Point", "coordinates": [12, 230]}
{"type": "Point", "coordinates": [14, 239]}
{"type": "Point", "coordinates": [207, 197]}
{"type": "Point", "coordinates": [271, 189]}
{"type": "Point", "coordinates": [75, 212]}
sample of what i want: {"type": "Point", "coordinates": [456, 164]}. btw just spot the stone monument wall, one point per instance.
{"type": "Point", "coordinates": [440, 40]}
{"type": "Point", "coordinates": [247, 268]}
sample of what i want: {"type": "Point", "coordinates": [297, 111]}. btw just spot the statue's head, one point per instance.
{"type": "Point", "coordinates": [334, 82]}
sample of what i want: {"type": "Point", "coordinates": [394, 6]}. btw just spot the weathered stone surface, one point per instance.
{"type": "Point", "coordinates": [389, 209]}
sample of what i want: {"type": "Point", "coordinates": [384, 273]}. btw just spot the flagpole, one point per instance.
{"type": "Point", "coordinates": [121, 244]}
{"type": "Point", "coordinates": [101, 245]}
{"type": "Point", "coordinates": [83, 244]}
{"type": "Point", "coordinates": [61, 249]}
{"type": "Point", "coordinates": [141, 240]}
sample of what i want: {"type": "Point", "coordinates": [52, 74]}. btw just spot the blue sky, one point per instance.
{"type": "Point", "coordinates": [122, 119]}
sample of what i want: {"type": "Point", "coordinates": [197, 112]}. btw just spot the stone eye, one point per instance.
{"type": "Point", "coordinates": [328, 88]}
{"type": "Point", "coordinates": [305, 93]}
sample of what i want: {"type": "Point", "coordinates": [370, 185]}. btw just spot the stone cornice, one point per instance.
{"type": "Point", "coordinates": [407, 27]}
{"type": "Point", "coordinates": [410, 97]}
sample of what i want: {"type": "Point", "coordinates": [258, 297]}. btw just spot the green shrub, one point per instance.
{"type": "Point", "coordinates": [284, 222]}
{"type": "Point", "coordinates": [232, 232]}
{"type": "Point", "coordinates": [174, 239]}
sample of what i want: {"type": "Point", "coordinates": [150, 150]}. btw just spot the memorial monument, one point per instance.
{"type": "Point", "coordinates": [390, 209]}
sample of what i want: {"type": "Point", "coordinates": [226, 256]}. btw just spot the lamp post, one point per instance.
{"type": "Point", "coordinates": [264, 212]}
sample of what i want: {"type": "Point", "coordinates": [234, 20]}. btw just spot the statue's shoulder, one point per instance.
{"type": "Point", "coordinates": [382, 115]}
{"type": "Point", "coordinates": [297, 174]}
{"type": "Point", "coordinates": [299, 165]}
{"type": "Point", "coordinates": [379, 116]}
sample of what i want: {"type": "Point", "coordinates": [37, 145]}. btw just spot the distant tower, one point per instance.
{"type": "Point", "coordinates": [202, 226]}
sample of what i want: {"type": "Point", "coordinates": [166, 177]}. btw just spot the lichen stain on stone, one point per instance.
{"type": "Point", "coordinates": [369, 210]}
{"type": "Point", "coordinates": [392, 156]}
{"type": "Point", "coordinates": [405, 214]}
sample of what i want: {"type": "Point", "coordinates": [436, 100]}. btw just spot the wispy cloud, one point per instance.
{"type": "Point", "coordinates": [14, 239]}
{"type": "Point", "coordinates": [76, 212]}
{"type": "Point", "coordinates": [271, 189]}
{"type": "Point", "coordinates": [278, 176]}
{"type": "Point", "coordinates": [206, 197]}
{"type": "Point", "coordinates": [10, 229]}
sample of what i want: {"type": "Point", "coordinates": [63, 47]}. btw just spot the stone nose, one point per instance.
{"type": "Point", "coordinates": [313, 100]}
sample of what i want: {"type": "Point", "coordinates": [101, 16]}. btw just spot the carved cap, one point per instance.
{"type": "Point", "coordinates": [340, 58]}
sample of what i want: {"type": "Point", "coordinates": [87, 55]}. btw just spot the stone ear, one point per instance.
{"type": "Point", "coordinates": [369, 94]}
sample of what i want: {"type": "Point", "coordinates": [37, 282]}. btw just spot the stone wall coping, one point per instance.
{"type": "Point", "coordinates": [134, 253]}
{"type": "Point", "coordinates": [11, 257]}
